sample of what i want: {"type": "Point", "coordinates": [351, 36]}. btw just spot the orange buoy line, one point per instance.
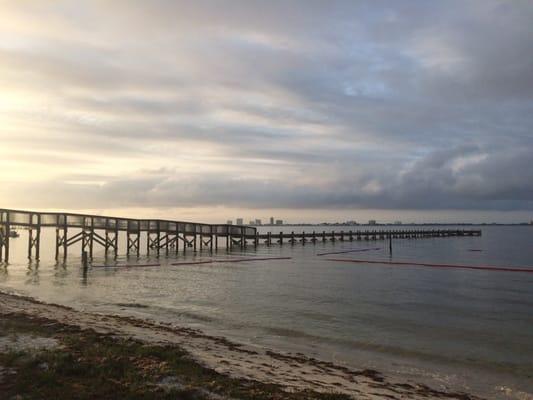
{"type": "Point", "coordinates": [126, 266]}
{"type": "Point", "coordinates": [456, 266]}
{"type": "Point", "coordinates": [349, 251]}
{"type": "Point", "coordinates": [230, 260]}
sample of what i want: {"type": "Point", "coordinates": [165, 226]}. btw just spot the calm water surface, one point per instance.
{"type": "Point", "coordinates": [469, 330]}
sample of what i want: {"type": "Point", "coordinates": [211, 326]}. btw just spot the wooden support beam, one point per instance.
{"type": "Point", "coordinates": [106, 243]}
{"type": "Point", "coordinates": [110, 241]}
{"type": "Point", "coordinates": [87, 240]}
{"type": "Point", "coordinates": [131, 244]}
{"type": "Point", "coordinates": [116, 243]}
{"type": "Point", "coordinates": [2, 242]}
{"type": "Point", "coordinates": [34, 235]}
{"type": "Point", "coordinates": [177, 238]}
{"type": "Point", "coordinates": [4, 245]}
{"type": "Point", "coordinates": [91, 239]}
{"type": "Point", "coordinates": [4, 237]}
{"type": "Point", "coordinates": [158, 239]}
{"type": "Point", "coordinates": [61, 241]}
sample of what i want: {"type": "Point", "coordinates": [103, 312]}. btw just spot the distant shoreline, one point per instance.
{"type": "Point", "coordinates": [397, 225]}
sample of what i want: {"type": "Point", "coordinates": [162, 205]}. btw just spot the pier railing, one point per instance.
{"type": "Point", "coordinates": [169, 236]}
{"type": "Point", "coordinates": [162, 235]}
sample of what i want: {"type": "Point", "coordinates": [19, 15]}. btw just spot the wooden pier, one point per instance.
{"type": "Point", "coordinates": [164, 236]}
{"type": "Point", "coordinates": [342, 236]}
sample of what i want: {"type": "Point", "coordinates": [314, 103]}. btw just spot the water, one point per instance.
{"type": "Point", "coordinates": [468, 330]}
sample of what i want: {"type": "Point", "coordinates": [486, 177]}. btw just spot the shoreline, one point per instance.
{"type": "Point", "coordinates": [289, 373]}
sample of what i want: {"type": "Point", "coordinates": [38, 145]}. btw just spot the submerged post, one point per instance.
{"type": "Point", "coordinates": [84, 260]}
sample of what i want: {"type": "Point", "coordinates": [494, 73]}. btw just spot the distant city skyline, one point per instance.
{"type": "Point", "coordinates": [308, 111]}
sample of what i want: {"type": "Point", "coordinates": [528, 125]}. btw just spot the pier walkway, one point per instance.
{"type": "Point", "coordinates": [164, 236]}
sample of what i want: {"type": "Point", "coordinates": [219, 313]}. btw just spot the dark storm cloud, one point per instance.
{"type": "Point", "coordinates": [374, 104]}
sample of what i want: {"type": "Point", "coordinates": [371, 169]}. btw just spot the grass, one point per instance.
{"type": "Point", "coordinates": [89, 365]}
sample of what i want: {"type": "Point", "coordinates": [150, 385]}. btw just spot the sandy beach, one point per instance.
{"type": "Point", "coordinates": [291, 373]}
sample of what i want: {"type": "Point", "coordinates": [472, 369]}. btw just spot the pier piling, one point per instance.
{"type": "Point", "coordinates": [103, 231]}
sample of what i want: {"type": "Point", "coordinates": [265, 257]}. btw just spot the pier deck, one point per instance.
{"type": "Point", "coordinates": [166, 236]}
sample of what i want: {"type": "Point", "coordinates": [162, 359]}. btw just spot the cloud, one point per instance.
{"type": "Point", "coordinates": [281, 104]}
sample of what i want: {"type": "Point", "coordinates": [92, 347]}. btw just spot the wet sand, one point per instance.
{"type": "Point", "coordinates": [292, 372]}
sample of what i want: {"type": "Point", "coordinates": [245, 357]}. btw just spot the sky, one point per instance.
{"type": "Point", "coordinates": [302, 110]}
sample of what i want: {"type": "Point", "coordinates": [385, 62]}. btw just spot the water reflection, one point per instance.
{"type": "Point", "coordinates": [32, 273]}
{"type": "Point", "coordinates": [4, 271]}
{"type": "Point", "coordinates": [375, 315]}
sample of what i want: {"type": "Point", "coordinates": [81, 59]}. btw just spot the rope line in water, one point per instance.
{"type": "Point", "coordinates": [231, 260]}
{"type": "Point", "coordinates": [349, 251]}
{"type": "Point", "coordinates": [196, 262]}
{"type": "Point", "coordinates": [126, 266]}
{"type": "Point", "coordinates": [456, 266]}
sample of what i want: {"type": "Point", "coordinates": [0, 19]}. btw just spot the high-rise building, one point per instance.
{"type": "Point", "coordinates": [229, 222]}
{"type": "Point", "coordinates": [251, 223]}
{"type": "Point", "coordinates": [258, 222]}
{"type": "Point", "coordinates": [239, 221]}
{"type": "Point", "coordinates": [271, 220]}
{"type": "Point", "coordinates": [372, 222]}
{"type": "Point", "coordinates": [279, 222]}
